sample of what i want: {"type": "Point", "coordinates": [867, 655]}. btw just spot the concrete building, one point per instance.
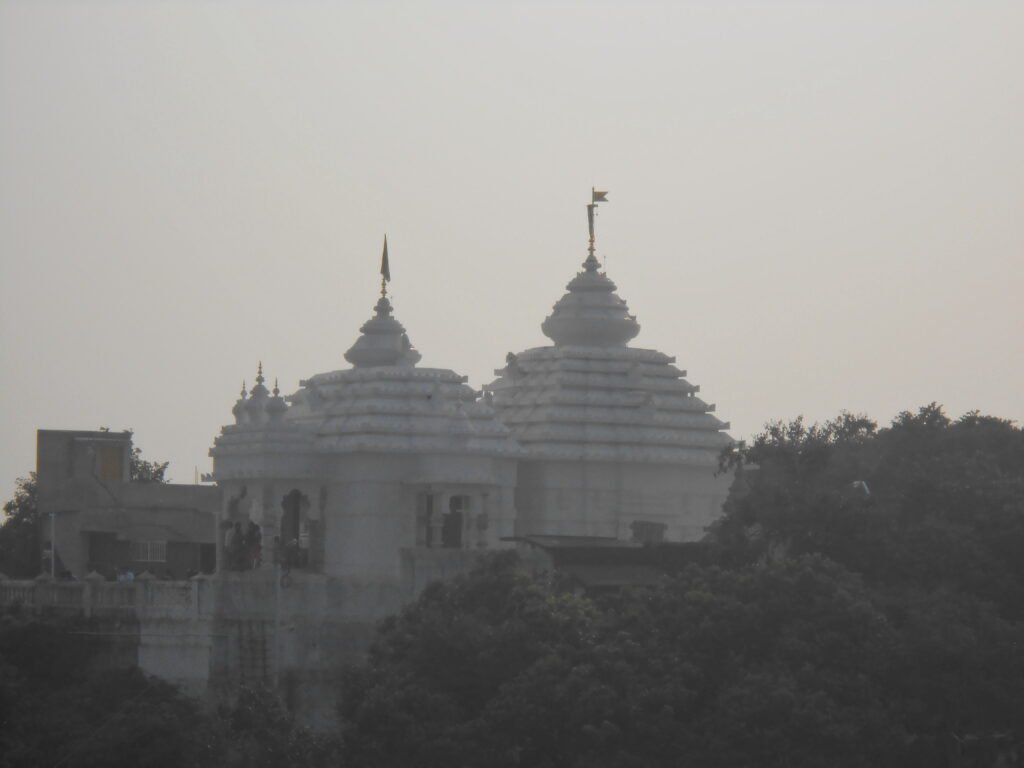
{"type": "Point", "coordinates": [96, 519]}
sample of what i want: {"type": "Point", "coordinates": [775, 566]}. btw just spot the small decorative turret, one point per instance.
{"type": "Point", "coordinates": [258, 396]}
{"type": "Point", "coordinates": [239, 409]}
{"type": "Point", "coordinates": [276, 406]}
{"type": "Point", "coordinates": [260, 391]}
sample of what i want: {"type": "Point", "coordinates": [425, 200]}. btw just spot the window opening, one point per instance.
{"type": "Point", "coordinates": [645, 532]}
{"type": "Point", "coordinates": [149, 551]}
{"type": "Point", "coordinates": [294, 530]}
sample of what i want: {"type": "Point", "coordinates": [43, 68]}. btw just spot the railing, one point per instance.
{"type": "Point", "coordinates": [15, 593]}
{"type": "Point", "coordinates": [144, 598]}
{"type": "Point", "coordinates": [250, 594]}
{"type": "Point", "coordinates": [112, 598]}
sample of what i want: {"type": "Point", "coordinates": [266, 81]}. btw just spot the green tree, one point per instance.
{"type": "Point", "coordinates": [142, 471]}
{"type": "Point", "coordinates": [928, 502]}
{"type": "Point", "coordinates": [60, 709]}
{"type": "Point", "coordinates": [61, 704]}
{"type": "Point", "coordinates": [434, 668]}
{"type": "Point", "coordinates": [19, 532]}
{"type": "Point", "coordinates": [260, 733]}
{"type": "Point", "coordinates": [778, 664]}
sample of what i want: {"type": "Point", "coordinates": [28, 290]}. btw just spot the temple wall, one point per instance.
{"type": "Point", "coordinates": [293, 632]}
{"type": "Point", "coordinates": [577, 498]}
{"type": "Point", "coordinates": [366, 520]}
{"type": "Point", "coordinates": [359, 510]}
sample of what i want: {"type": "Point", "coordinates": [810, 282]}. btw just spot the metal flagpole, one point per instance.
{"type": "Point", "coordinates": [596, 196]}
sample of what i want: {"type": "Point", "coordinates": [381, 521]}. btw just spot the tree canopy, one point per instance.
{"type": "Point", "coordinates": [62, 705]}
{"type": "Point", "coordinates": [787, 663]}
{"type": "Point", "coordinates": [143, 471]}
{"type": "Point", "coordinates": [925, 503]}
{"type": "Point", "coordinates": [19, 532]}
{"type": "Point", "coordinates": [861, 606]}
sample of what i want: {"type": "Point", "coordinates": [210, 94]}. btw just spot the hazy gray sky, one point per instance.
{"type": "Point", "coordinates": [814, 206]}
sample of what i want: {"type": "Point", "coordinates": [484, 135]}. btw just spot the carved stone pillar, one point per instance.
{"type": "Point", "coordinates": [269, 522]}
{"type": "Point", "coordinates": [221, 551]}
{"type": "Point", "coordinates": [221, 532]}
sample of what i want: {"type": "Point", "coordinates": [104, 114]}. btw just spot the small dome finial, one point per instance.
{"type": "Point", "coordinates": [383, 341]}
{"type": "Point", "coordinates": [259, 392]}
{"type": "Point", "coordinates": [276, 406]}
{"type": "Point", "coordinates": [591, 314]}
{"type": "Point", "coordinates": [245, 393]}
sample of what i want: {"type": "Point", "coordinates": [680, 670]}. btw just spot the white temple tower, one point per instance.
{"type": "Point", "coordinates": [384, 473]}
{"type": "Point", "coordinates": [617, 442]}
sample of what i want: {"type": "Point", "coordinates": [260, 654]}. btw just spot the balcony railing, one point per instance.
{"type": "Point", "coordinates": [141, 598]}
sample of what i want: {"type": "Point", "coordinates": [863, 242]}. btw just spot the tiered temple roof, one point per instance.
{"type": "Point", "coordinates": [383, 404]}
{"type": "Point", "coordinates": [592, 397]}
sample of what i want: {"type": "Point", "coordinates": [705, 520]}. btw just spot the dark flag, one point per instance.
{"type": "Point", "coordinates": [598, 196]}
{"type": "Point", "coordinates": [385, 268]}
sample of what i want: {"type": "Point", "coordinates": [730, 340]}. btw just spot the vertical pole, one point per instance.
{"type": "Point", "coordinates": [53, 545]}
{"type": "Point", "coordinates": [277, 624]}
{"type": "Point", "coordinates": [590, 222]}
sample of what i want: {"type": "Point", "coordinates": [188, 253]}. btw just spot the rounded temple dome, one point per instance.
{"type": "Point", "coordinates": [383, 341]}
{"type": "Point", "coordinates": [590, 314]}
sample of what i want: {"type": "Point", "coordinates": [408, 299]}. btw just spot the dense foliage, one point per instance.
{"type": "Point", "coordinates": [59, 707]}
{"type": "Point", "coordinates": [19, 532]}
{"type": "Point", "coordinates": [865, 610]}
{"type": "Point", "coordinates": [926, 503]}
{"type": "Point", "coordinates": [791, 663]}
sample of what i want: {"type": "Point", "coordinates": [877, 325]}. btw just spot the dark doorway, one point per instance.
{"type": "Point", "coordinates": [452, 524]}
{"type": "Point", "coordinates": [207, 558]}
{"type": "Point", "coordinates": [294, 534]}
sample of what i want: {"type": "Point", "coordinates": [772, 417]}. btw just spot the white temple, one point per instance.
{"type": "Point", "coordinates": [339, 503]}
{"type": "Point", "coordinates": [391, 474]}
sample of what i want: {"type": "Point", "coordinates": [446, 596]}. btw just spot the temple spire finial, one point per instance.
{"type": "Point", "coordinates": [245, 392]}
{"type": "Point", "coordinates": [259, 373]}
{"type": "Point", "coordinates": [276, 390]}
{"type": "Point", "coordinates": [596, 196]}
{"type": "Point", "coordinates": [385, 270]}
